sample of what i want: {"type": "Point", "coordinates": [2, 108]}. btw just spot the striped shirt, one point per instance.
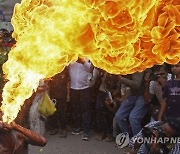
{"type": "Point", "coordinates": [143, 148]}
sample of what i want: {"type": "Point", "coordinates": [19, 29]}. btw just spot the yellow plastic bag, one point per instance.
{"type": "Point", "coordinates": [47, 106]}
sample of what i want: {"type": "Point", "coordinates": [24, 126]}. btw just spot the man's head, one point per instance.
{"type": "Point", "coordinates": [159, 72]}
{"type": "Point", "coordinates": [176, 69]}
{"type": "Point", "coordinates": [111, 82]}
{"type": "Point", "coordinates": [171, 127]}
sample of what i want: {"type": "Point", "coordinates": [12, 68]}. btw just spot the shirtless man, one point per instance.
{"type": "Point", "coordinates": [14, 139]}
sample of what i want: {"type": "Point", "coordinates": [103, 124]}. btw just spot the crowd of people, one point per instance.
{"type": "Point", "coordinates": [90, 99]}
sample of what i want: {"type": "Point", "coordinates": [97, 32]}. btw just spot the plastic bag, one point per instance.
{"type": "Point", "coordinates": [47, 106]}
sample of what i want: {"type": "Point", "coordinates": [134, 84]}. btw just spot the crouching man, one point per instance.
{"type": "Point", "coordinates": [165, 138]}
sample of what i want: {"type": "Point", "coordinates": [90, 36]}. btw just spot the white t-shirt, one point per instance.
{"type": "Point", "coordinates": [79, 75]}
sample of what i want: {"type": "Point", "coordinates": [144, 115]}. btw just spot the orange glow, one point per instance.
{"type": "Point", "coordinates": [119, 36]}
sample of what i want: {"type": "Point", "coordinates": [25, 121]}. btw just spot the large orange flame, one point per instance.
{"type": "Point", "coordinates": [119, 36]}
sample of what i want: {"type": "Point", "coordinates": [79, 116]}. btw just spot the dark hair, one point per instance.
{"type": "Point", "coordinates": [111, 82]}
{"type": "Point", "coordinates": [174, 123]}
{"type": "Point", "coordinates": [157, 68]}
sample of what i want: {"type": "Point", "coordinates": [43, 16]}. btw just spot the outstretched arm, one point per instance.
{"type": "Point", "coordinates": [135, 82]}
{"type": "Point", "coordinates": [31, 137]}
{"type": "Point", "coordinates": [162, 110]}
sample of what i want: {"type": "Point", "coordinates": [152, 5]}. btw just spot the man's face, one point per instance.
{"type": "Point", "coordinates": [169, 132]}
{"type": "Point", "coordinates": [161, 73]}
{"type": "Point", "coordinates": [176, 69]}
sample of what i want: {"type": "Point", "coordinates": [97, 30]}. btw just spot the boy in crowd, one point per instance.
{"type": "Point", "coordinates": [171, 96]}
{"type": "Point", "coordinates": [157, 83]}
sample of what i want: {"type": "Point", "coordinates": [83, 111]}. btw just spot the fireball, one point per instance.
{"type": "Point", "coordinates": [119, 36]}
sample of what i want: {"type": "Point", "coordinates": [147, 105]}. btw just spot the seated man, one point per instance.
{"type": "Point", "coordinates": [134, 106]}
{"type": "Point", "coordinates": [14, 139]}
{"type": "Point", "coordinates": [163, 138]}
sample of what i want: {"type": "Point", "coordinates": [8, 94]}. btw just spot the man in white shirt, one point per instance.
{"type": "Point", "coordinates": [80, 96]}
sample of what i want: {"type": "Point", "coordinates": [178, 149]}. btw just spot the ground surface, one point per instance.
{"type": "Point", "coordinates": [74, 145]}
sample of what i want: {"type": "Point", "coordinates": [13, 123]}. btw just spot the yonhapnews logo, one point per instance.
{"type": "Point", "coordinates": [122, 140]}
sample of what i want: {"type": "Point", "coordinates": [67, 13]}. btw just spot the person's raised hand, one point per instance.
{"type": "Point", "coordinates": [13, 124]}
{"type": "Point", "coordinates": [108, 101]}
{"type": "Point", "coordinates": [6, 125]}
